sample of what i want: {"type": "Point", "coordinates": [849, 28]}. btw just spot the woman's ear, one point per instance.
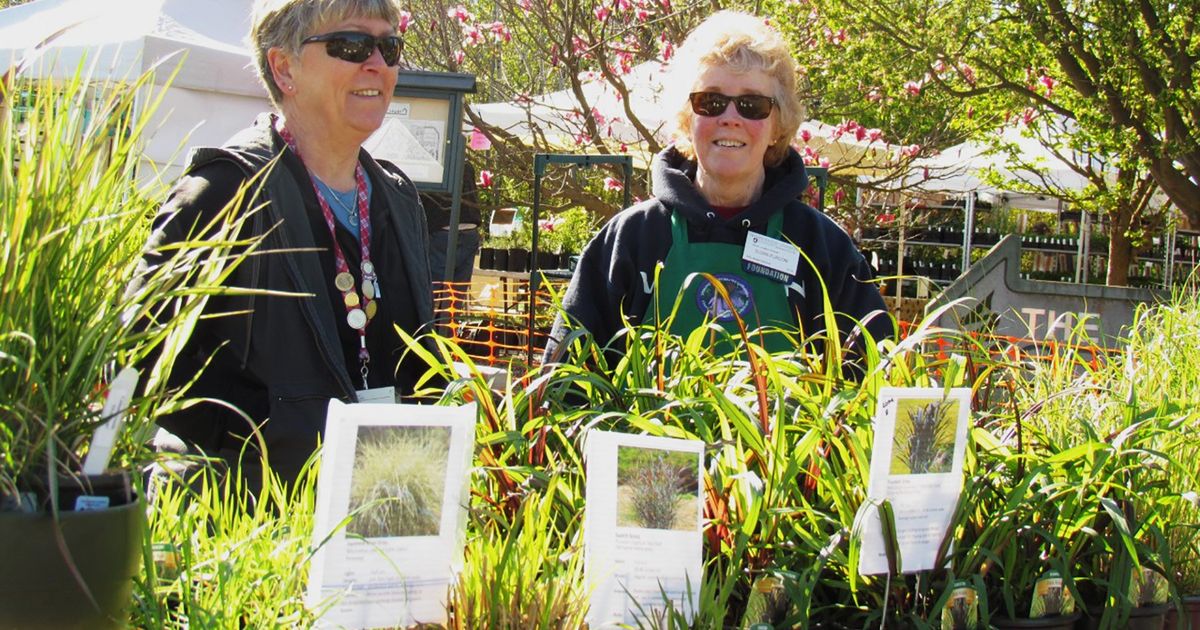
{"type": "Point", "coordinates": [281, 64]}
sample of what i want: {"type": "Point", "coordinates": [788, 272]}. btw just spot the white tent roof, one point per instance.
{"type": "Point", "coordinates": [963, 168]}
{"type": "Point", "coordinates": [215, 92]}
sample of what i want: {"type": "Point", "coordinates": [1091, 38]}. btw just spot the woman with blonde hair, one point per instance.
{"type": "Point", "coordinates": [727, 203]}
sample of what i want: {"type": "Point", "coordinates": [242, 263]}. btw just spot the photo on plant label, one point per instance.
{"type": "Point", "coordinates": [398, 481]}
{"type": "Point", "coordinates": [656, 489]}
{"type": "Point", "coordinates": [924, 438]}
{"type": "Point", "coordinates": [961, 611]}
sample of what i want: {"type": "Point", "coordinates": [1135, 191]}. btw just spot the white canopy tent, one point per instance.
{"type": "Point", "coordinates": [214, 94]}
{"type": "Point", "coordinates": [964, 168]}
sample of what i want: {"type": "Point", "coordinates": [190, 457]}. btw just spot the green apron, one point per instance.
{"type": "Point", "coordinates": [759, 301]}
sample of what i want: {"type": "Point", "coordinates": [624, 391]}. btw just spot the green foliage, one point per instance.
{"type": "Point", "coordinates": [75, 219]}
{"type": "Point", "coordinates": [240, 563]}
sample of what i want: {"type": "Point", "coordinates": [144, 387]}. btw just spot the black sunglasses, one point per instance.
{"type": "Point", "coordinates": [356, 47]}
{"type": "Point", "coordinates": [749, 106]}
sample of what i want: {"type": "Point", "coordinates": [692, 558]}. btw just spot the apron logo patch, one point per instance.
{"type": "Point", "coordinates": [713, 305]}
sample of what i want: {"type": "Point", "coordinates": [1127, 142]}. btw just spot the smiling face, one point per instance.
{"type": "Point", "coordinates": [728, 147]}
{"type": "Point", "coordinates": [343, 100]}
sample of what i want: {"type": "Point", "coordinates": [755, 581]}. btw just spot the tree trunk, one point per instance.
{"type": "Point", "coordinates": [1120, 251]}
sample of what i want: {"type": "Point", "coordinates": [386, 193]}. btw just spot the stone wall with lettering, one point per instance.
{"type": "Point", "coordinates": [993, 297]}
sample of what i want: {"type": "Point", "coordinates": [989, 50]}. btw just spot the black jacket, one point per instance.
{"type": "Point", "coordinates": [280, 358]}
{"type": "Point", "coordinates": [618, 264]}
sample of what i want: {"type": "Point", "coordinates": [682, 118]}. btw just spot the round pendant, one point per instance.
{"type": "Point", "coordinates": [368, 289]}
{"type": "Point", "coordinates": [343, 281]}
{"type": "Point", "coordinates": [356, 318]}
{"type": "Point", "coordinates": [368, 268]}
{"type": "Point", "coordinates": [351, 299]}
{"type": "Point", "coordinates": [371, 308]}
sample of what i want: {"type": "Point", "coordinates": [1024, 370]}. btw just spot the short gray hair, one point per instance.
{"type": "Point", "coordinates": [286, 23]}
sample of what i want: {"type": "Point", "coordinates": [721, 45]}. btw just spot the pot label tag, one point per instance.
{"type": "Point", "coordinates": [120, 393]}
{"type": "Point", "coordinates": [88, 503]}
{"type": "Point", "coordinates": [961, 611]}
{"type": "Point", "coordinates": [770, 257]}
{"type": "Point", "coordinates": [1051, 597]}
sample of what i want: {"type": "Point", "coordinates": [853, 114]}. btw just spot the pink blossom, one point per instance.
{"type": "Point", "coordinates": [1029, 115]}
{"type": "Point", "coordinates": [472, 36]}
{"type": "Point", "coordinates": [666, 5]}
{"type": "Point", "coordinates": [601, 13]}
{"type": "Point", "coordinates": [913, 88]}
{"type": "Point", "coordinates": [546, 225]}
{"type": "Point", "coordinates": [810, 153]}
{"type": "Point", "coordinates": [939, 66]}
{"type": "Point", "coordinates": [805, 135]}
{"type": "Point", "coordinates": [1048, 83]}
{"type": "Point", "coordinates": [485, 179]}
{"type": "Point", "coordinates": [525, 4]}
{"type": "Point", "coordinates": [613, 184]}
{"type": "Point", "coordinates": [823, 162]}
{"type": "Point", "coordinates": [839, 195]}
{"type": "Point", "coordinates": [406, 19]}
{"type": "Point", "coordinates": [874, 95]}
{"type": "Point", "coordinates": [624, 5]}
{"type": "Point", "coordinates": [874, 134]}
{"type": "Point", "coordinates": [970, 111]}
{"type": "Point", "coordinates": [642, 15]}
{"type": "Point", "coordinates": [579, 45]}
{"type": "Point", "coordinates": [582, 138]}
{"type": "Point", "coordinates": [461, 14]}
{"type": "Point", "coordinates": [478, 141]}
{"type": "Point", "coordinates": [967, 72]}
{"type": "Point", "coordinates": [500, 32]}
{"type": "Point", "coordinates": [911, 151]}
{"type": "Point", "coordinates": [668, 49]}
{"type": "Point", "coordinates": [459, 56]}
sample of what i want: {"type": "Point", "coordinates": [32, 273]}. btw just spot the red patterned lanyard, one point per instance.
{"type": "Point", "coordinates": [359, 312]}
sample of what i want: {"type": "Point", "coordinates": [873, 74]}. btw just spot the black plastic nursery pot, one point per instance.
{"type": "Point", "coordinates": [38, 587]}
{"type": "Point", "coordinates": [1191, 615]}
{"type": "Point", "coordinates": [518, 260]}
{"type": "Point", "coordinates": [1148, 617]}
{"type": "Point", "coordinates": [487, 258]}
{"type": "Point", "coordinates": [1056, 622]}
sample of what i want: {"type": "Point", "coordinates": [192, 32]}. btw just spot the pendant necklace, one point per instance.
{"type": "Point", "coordinates": [359, 311]}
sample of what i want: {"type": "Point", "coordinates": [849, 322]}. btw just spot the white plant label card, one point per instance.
{"type": "Point", "coordinates": [917, 466]}
{"type": "Point", "coordinates": [390, 514]}
{"type": "Point", "coordinates": [643, 542]}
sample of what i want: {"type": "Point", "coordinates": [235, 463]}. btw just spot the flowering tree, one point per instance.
{"type": "Point", "coordinates": [521, 49]}
{"type": "Point", "coordinates": [1106, 85]}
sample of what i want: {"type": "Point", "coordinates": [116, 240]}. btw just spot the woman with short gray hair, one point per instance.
{"type": "Point", "coordinates": [344, 236]}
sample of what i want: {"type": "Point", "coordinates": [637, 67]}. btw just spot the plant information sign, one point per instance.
{"type": "Point", "coordinates": [916, 468]}
{"type": "Point", "coordinates": [642, 531]}
{"type": "Point", "coordinates": [390, 514]}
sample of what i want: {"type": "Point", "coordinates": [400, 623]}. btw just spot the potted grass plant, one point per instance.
{"type": "Point", "coordinates": [75, 220]}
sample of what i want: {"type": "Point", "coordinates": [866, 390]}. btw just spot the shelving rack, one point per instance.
{"type": "Point", "coordinates": [1070, 257]}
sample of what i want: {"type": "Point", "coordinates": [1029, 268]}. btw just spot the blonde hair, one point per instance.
{"type": "Point", "coordinates": [286, 24]}
{"type": "Point", "coordinates": [743, 43]}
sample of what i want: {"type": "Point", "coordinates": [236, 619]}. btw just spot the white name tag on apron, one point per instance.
{"type": "Point", "coordinates": [770, 257]}
{"type": "Point", "coordinates": [377, 396]}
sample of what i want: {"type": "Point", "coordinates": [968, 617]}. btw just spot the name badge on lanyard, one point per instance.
{"type": "Point", "coordinates": [377, 396]}
{"type": "Point", "coordinates": [770, 257]}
